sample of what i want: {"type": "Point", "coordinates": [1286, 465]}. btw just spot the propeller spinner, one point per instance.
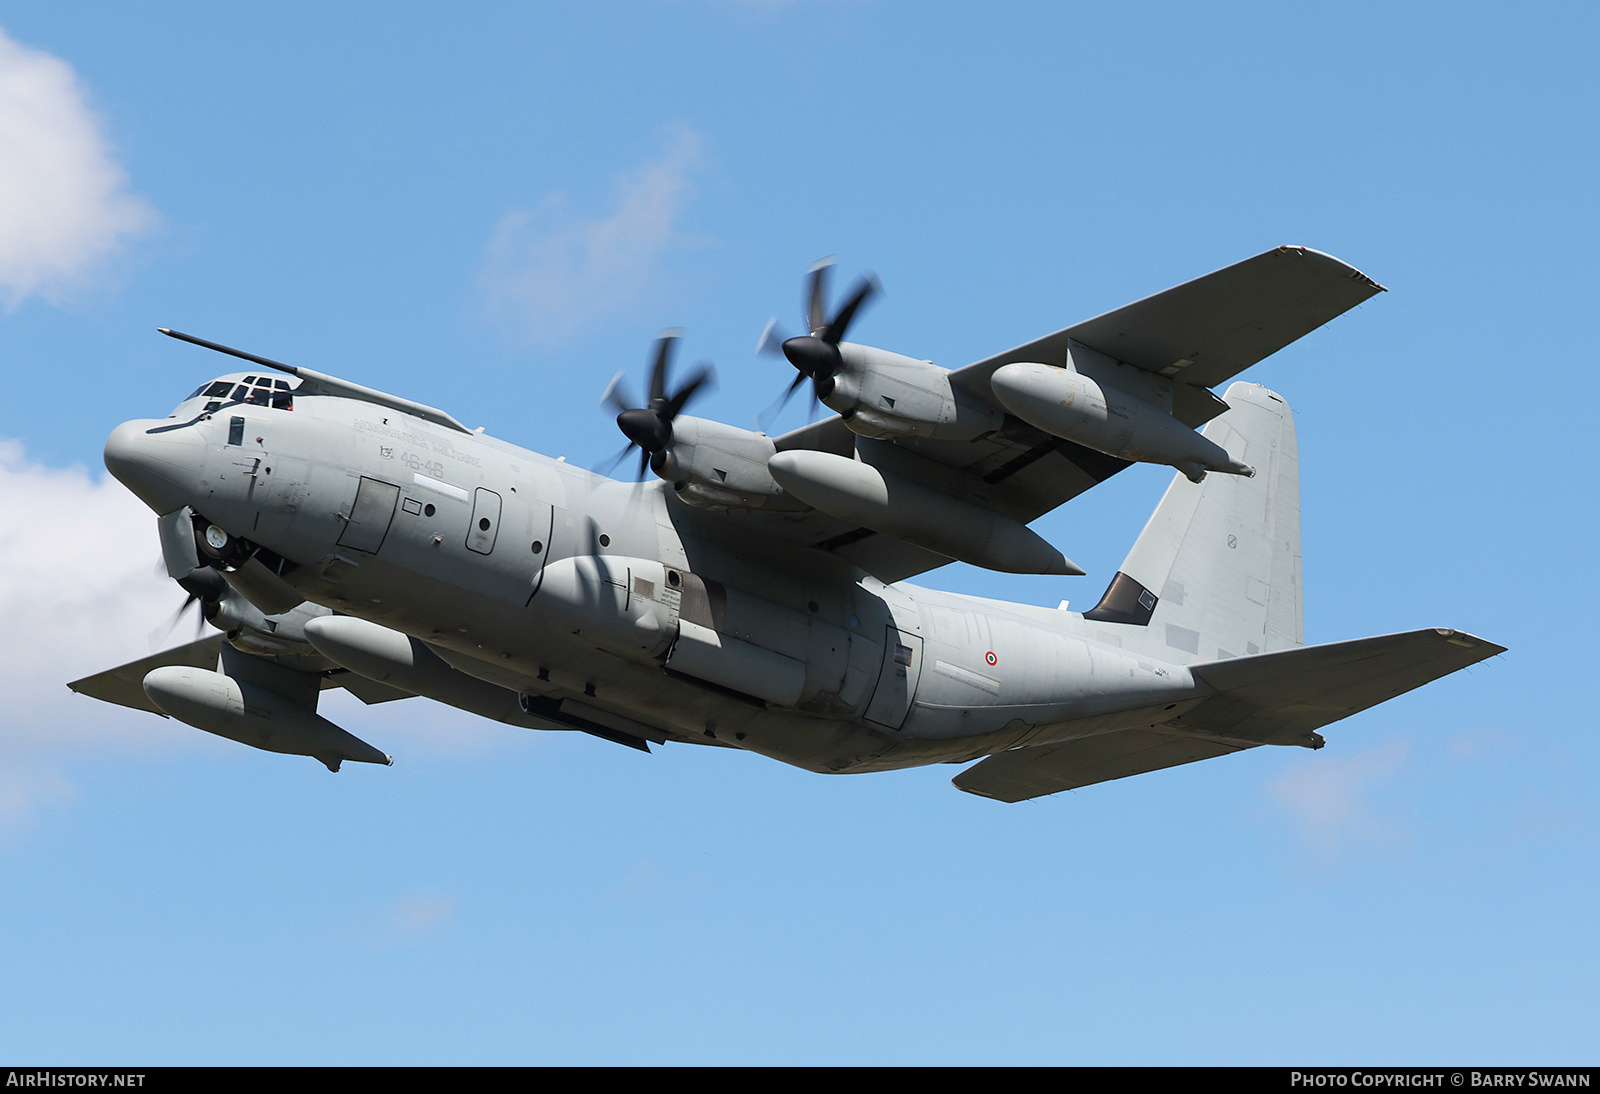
{"type": "Point", "coordinates": [816, 355]}
{"type": "Point", "coordinates": [649, 427]}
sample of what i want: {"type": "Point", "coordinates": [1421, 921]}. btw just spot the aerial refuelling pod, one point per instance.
{"type": "Point", "coordinates": [1075, 406]}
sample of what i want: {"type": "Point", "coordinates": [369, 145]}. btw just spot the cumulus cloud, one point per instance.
{"type": "Point", "coordinates": [78, 593]}
{"type": "Point", "coordinates": [65, 208]}
{"type": "Point", "coordinates": [551, 271]}
{"type": "Point", "coordinates": [78, 588]}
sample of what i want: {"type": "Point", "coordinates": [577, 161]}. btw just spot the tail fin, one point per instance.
{"type": "Point", "coordinates": [1216, 572]}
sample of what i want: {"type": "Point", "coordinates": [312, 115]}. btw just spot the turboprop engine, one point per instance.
{"type": "Point", "coordinates": [877, 393]}
{"type": "Point", "coordinates": [1111, 408]}
{"type": "Point", "coordinates": [712, 465]}
{"type": "Point", "coordinates": [883, 394]}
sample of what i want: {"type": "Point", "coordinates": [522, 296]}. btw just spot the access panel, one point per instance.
{"type": "Point", "coordinates": [370, 515]}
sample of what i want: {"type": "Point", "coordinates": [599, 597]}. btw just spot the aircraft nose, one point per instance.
{"type": "Point", "coordinates": [162, 469]}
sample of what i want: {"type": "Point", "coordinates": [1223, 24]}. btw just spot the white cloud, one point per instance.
{"type": "Point", "coordinates": [79, 590]}
{"type": "Point", "coordinates": [78, 594]}
{"type": "Point", "coordinates": [1329, 798]}
{"type": "Point", "coordinates": [65, 208]}
{"type": "Point", "coordinates": [550, 271]}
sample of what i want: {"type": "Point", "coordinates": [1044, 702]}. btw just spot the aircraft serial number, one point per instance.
{"type": "Point", "coordinates": [426, 467]}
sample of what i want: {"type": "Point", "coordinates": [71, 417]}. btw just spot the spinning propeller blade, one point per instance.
{"type": "Point", "coordinates": [649, 427]}
{"type": "Point", "coordinates": [816, 355]}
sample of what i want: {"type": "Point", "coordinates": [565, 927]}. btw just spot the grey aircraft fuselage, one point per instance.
{"type": "Point", "coordinates": [551, 581]}
{"type": "Point", "coordinates": [755, 598]}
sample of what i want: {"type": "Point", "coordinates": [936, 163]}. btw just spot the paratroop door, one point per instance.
{"type": "Point", "coordinates": [897, 683]}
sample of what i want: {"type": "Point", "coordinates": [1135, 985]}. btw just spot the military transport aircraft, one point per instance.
{"type": "Point", "coordinates": [756, 597]}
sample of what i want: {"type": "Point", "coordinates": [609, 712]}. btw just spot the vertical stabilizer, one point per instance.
{"type": "Point", "coordinates": [1216, 571]}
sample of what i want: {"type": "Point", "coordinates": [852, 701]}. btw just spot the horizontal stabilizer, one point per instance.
{"type": "Point", "coordinates": [1272, 698]}
{"type": "Point", "coordinates": [1025, 773]}
{"type": "Point", "coordinates": [124, 685]}
{"type": "Point", "coordinates": [1210, 329]}
{"type": "Point", "coordinates": [1280, 698]}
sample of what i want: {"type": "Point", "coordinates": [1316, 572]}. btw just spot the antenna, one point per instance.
{"type": "Point", "coordinates": [229, 350]}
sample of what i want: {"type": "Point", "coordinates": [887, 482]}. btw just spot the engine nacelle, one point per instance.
{"type": "Point", "coordinates": [712, 465]}
{"type": "Point", "coordinates": [883, 394]}
{"type": "Point", "coordinates": [1128, 418]}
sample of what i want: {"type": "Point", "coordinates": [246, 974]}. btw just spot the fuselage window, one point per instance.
{"type": "Point", "coordinates": [236, 431]}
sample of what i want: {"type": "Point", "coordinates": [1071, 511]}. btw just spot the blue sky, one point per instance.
{"type": "Point", "coordinates": [492, 209]}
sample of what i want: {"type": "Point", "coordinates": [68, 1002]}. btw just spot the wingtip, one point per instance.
{"type": "Point", "coordinates": [1469, 641]}
{"type": "Point", "coordinates": [1350, 271]}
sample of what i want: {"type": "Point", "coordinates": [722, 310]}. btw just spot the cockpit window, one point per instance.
{"type": "Point", "coordinates": [255, 390]}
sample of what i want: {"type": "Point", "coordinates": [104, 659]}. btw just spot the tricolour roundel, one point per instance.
{"type": "Point", "coordinates": [990, 657]}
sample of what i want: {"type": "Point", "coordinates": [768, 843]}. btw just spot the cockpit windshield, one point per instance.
{"type": "Point", "coordinates": [268, 391]}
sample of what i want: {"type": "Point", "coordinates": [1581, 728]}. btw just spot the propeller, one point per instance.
{"type": "Point", "coordinates": [816, 355]}
{"type": "Point", "coordinates": [204, 586]}
{"type": "Point", "coordinates": [649, 427]}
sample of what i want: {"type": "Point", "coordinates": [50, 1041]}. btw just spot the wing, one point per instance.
{"type": "Point", "coordinates": [1200, 333]}
{"type": "Point", "coordinates": [1206, 331]}
{"type": "Point", "coordinates": [1271, 698]}
{"type": "Point", "coordinates": [1018, 471]}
